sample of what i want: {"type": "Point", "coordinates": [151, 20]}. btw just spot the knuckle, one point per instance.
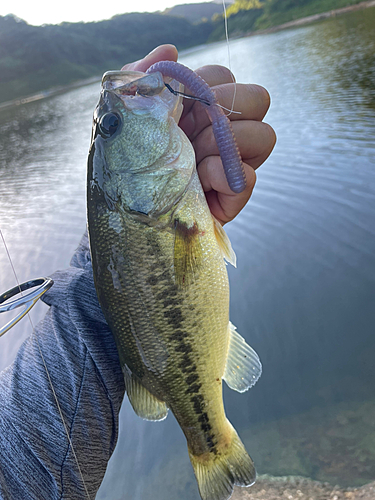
{"type": "Point", "coordinates": [215, 74]}
{"type": "Point", "coordinates": [225, 74]}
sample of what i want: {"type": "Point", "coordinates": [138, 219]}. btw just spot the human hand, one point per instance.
{"type": "Point", "coordinates": [255, 139]}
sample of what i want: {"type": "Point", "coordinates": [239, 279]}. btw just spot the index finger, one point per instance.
{"type": "Point", "coordinates": [165, 52]}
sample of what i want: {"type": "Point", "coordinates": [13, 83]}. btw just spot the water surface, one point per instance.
{"type": "Point", "coordinates": [303, 292]}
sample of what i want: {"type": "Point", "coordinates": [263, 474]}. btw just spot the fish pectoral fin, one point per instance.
{"type": "Point", "coordinates": [224, 243]}
{"type": "Point", "coordinates": [243, 367]}
{"type": "Point", "coordinates": [145, 404]}
{"type": "Point", "coordinates": [187, 253]}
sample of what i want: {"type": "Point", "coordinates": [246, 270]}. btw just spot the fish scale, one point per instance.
{"type": "Point", "coordinates": [186, 327]}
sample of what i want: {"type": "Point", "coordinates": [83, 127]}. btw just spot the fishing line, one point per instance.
{"type": "Point", "coordinates": [195, 98]}
{"type": "Point", "coordinates": [229, 61]}
{"type": "Point", "coordinates": [34, 336]}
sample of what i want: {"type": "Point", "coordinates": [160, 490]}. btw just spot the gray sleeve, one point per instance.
{"type": "Point", "coordinates": [36, 459]}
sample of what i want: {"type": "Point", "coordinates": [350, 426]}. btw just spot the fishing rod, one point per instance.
{"type": "Point", "coordinates": [29, 300]}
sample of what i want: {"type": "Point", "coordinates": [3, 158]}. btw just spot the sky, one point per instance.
{"type": "Point", "coordinates": [39, 12]}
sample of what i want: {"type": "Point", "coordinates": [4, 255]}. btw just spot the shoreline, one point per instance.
{"type": "Point", "coordinates": [301, 488]}
{"type": "Point", "coordinates": [311, 19]}
{"type": "Point", "coordinates": [43, 94]}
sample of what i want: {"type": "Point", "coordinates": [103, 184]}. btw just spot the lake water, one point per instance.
{"type": "Point", "coordinates": [303, 292]}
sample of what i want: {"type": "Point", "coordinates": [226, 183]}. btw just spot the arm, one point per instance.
{"type": "Point", "coordinates": [36, 460]}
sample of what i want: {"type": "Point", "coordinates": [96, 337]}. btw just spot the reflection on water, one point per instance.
{"type": "Point", "coordinates": [303, 291]}
{"type": "Point", "coordinates": [43, 152]}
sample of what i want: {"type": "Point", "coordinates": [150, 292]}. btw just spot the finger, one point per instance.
{"type": "Point", "coordinates": [223, 203]}
{"type": "Point", "coordinates": [251, 100]}
{"type": "Point", "coordinates": [165, 52]}
{"type": "Point", "coordinates": [215, 74]}
{"type": "Point", "coordinates": [255, 141]}
{"type": "Point", "coordinates": [212, 75]}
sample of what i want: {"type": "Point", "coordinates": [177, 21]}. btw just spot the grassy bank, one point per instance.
{"type": "Point", "coordinates": [283, 15]}
{"type": "Point", "coordinates": [271, 13]}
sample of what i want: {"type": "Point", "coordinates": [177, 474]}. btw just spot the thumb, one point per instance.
{"type": "Point", "coordinates": [161, 53]}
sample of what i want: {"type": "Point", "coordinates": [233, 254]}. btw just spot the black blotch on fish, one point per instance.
{"type": "Point", "coordinates": [211, 443]}
{"type": "Point", "coordinates": [186, 348]}
{"type": "Point", "coordinates": [192, 378]}
{"type": "Point", "coordinates": [172, 289]}
{"type": "Point", "coordinates": [193, 389]}
{"type": "Point", "coordinates": [160, 296]}
{"type": "Point", "coordinates": [152, 280]}
{"type": "Point", "coordinates": [198, 403]}
{"type": "Point", "coordinates": [206, 427]}
{"type": "Point", "coordinates": [203, 418]}
{"type": "Point", "coordinates": [174, 316]}
{"type": "Point", "coordinates": [170, 301]}
{"type": "Point", "coordinates": [190, 369]}
{"type": "Point", "coordinates": [186, 363]}
{"type": "Point", "coordinates": [178, 336]}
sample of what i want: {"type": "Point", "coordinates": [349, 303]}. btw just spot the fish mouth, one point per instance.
{"type": "Point", "coordinates": [113, 80]}
{"type": "Point", "coordinates": [139, 91]}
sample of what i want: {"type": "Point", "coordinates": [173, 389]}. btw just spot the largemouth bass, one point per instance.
{"type": "Point", "coordinates": [159, 270]}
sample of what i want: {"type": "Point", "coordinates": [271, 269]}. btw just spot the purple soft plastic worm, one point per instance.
{"type": "Point", "coordinates": [224, 136]}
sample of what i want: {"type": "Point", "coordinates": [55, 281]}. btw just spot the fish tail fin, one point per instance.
{"type": "Point", "coordinates": [217, 473]}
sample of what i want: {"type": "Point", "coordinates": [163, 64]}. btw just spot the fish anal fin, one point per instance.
{"type": "Point", "coordinates": [145, 404]}
{"type": "Point", "coordinates": [187, 252]}
{"type": "Point", "coordinates": [243, 367]}
{"type": "Point", "coordinates": [224, 242]}
{"type": "Point", "coordinates": [217, 474]}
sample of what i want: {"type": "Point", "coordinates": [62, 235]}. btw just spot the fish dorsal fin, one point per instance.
{"type": "Point", "coordinates": [224, 242]}
{"type": "Point", "coordinates": [187, 252]}
{"type": "Point", "coordinates": [145, 404]}
{"type": "Point", "coordinates": [243, 367]}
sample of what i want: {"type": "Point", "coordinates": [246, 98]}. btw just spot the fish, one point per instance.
{"type": "Point", "coordinates": [159, 263]}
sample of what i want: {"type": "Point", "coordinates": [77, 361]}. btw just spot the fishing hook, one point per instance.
{"type": "Point", "coordinates": [188, 96]}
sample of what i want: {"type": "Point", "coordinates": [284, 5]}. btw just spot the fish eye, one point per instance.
{"type": "Point", "coordinates": [109, 124]}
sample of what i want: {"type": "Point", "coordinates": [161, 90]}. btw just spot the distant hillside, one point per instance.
{"type": "Point", "coordinates": [34, 58]}
{"type": "Point", "coordinates": [195, 12]}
